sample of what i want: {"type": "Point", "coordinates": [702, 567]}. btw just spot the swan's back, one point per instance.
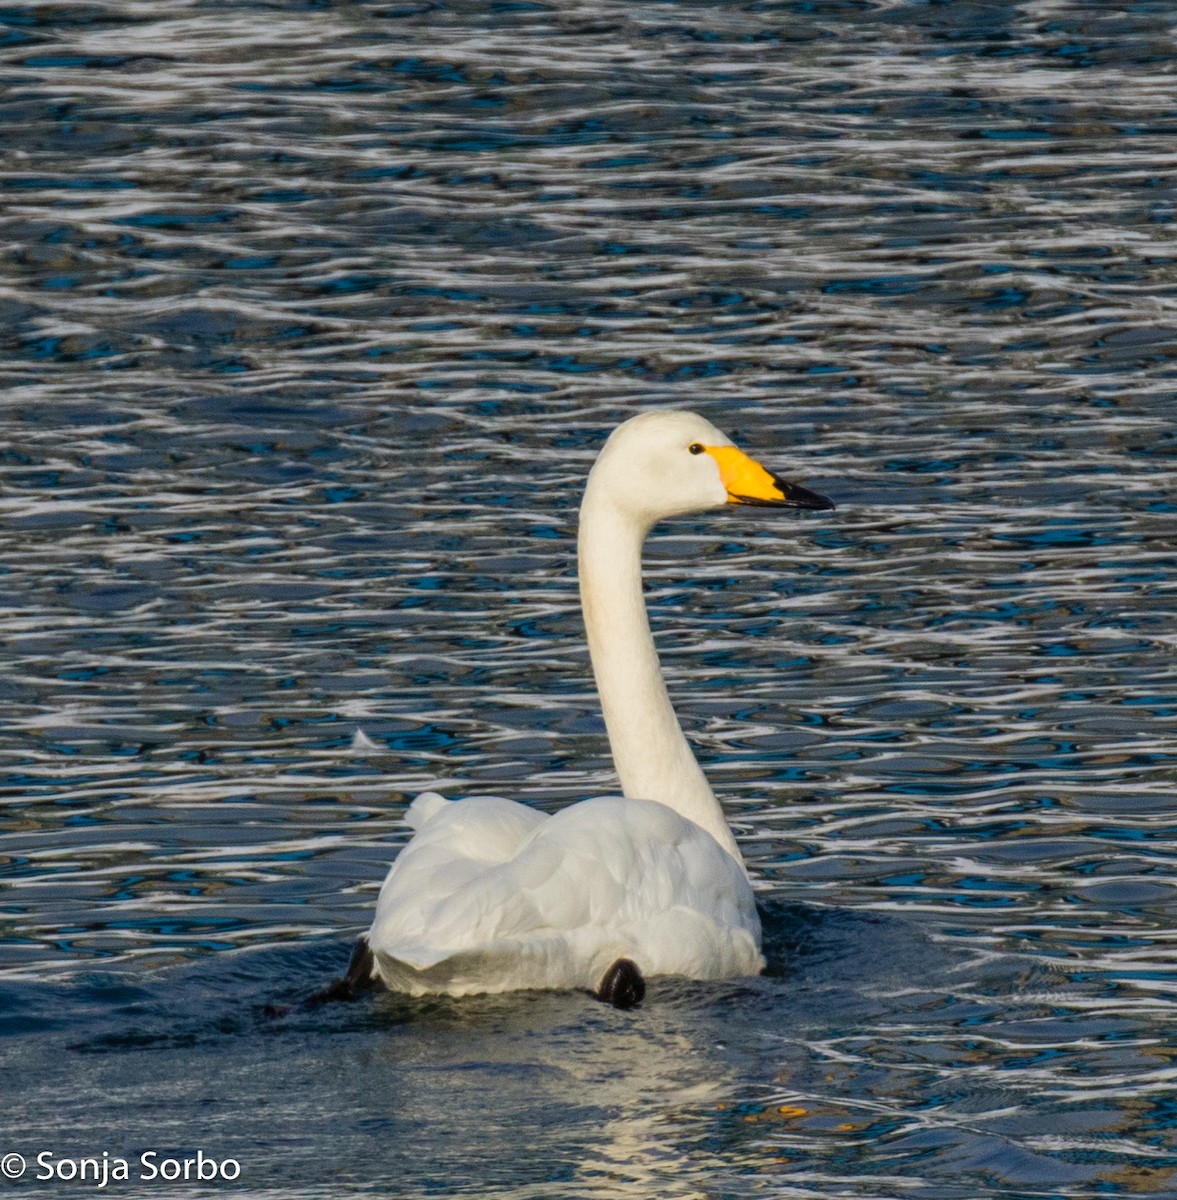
{"type": "Point", "coordinates": [492, 896]}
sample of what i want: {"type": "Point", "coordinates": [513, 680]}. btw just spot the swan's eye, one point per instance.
{"type": "Point", "coordinates": [695, 448]}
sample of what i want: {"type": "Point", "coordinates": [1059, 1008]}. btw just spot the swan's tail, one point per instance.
{"type": "Point", "coordinates": [508, 965]}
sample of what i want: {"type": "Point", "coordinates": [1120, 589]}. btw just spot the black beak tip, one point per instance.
{"type": "Point", "coordinates": [796, 496]}
{"type": "Point", "coordinates": [824, 503]}
{"type": "Point", "coordinates": [792, 495]}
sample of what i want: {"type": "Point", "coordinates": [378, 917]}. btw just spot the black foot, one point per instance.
{"type": "Point", "coordinates": [358, 978]}
{"type": "Point", "coordinates": [623, 985]}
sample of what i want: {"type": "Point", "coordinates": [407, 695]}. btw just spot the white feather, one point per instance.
{"type": "Point", "coordinates": [492, 895]}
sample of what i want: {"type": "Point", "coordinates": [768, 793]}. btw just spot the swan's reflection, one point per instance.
{"type": "Point", "coordinates": [604, 1103]}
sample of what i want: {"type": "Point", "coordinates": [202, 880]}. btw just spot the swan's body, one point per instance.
{"type": "Point", "coordinates": [493, 896]}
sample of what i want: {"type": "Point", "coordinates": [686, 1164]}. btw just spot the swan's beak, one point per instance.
{"type": "Point", "coordinates": [747, 482]}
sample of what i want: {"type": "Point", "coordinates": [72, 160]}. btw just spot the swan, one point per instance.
{"type": "Point", "coordinates": [490, 895]}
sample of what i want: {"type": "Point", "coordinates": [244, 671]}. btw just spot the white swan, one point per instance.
{"type": "Point", "coordinates": [493, 896]}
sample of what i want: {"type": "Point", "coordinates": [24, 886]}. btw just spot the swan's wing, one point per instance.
{"type": "Point", "coordinates": [656, 888]}
{"type": "Point", "coordinates": [427, 804]}
{"type": "Point", "coordinates": [456, 844]}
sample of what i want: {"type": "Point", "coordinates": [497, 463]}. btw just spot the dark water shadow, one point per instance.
{"type": "Point", "coordinates": [262, 993]}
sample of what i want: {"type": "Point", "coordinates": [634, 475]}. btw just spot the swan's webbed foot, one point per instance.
{"type": "Point", "coordinates": [358, 977]}
{"type": "Point", "coordinates": [623, 986]}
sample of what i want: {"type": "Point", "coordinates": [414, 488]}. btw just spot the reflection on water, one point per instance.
{"type": "Point", "coordinates": [312, 319]}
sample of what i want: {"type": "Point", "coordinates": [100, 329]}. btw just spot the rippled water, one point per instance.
{"type": "Point", "coordinates": [312, 318]}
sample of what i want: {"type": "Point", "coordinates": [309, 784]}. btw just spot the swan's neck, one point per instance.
{"type": "Point", "coordinates": [650, 752]}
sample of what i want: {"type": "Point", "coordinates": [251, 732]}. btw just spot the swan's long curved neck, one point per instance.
{"type": "Point", "coordinates": [652, 757]}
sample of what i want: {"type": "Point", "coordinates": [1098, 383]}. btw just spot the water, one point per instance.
{"type": "Point", "coordinates": [312, 318]}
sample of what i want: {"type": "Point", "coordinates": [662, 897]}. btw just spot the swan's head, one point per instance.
{"type": "Point", "coordinates": [664, 464]}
